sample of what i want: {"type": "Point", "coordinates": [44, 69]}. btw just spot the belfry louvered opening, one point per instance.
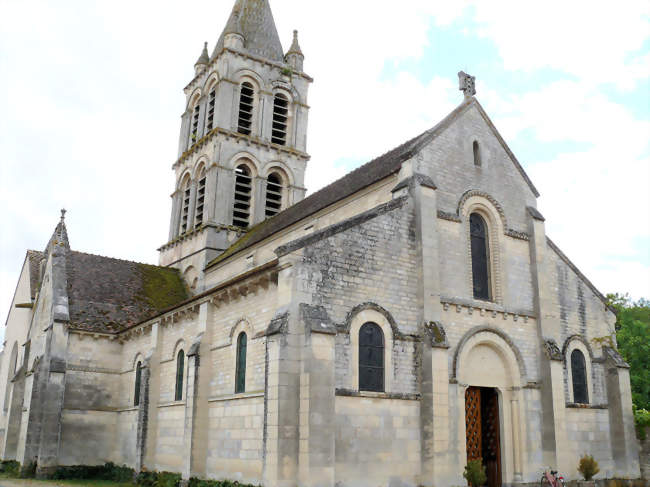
{"type": "Point", "coordinates": [212, 99]}
{"type": "Point", "coordinates": [194, 133]}
{"type": "Point", "coordinates": [280, 119]}
{"type": "Point", "coordinates": [185, 212]}
{"type": "Point", "coordinates": [246, 99]}
{"type": "Point", "coordinates": [200, 200]}
{"type": "Point", "coordinates": [274, 189]}
{"type": "Point", "coordinates": [243, 188]}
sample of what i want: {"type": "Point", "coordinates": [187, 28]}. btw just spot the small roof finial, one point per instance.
{"type": "Point", "coordinates": [63, 212]}
{"type": "Point", "coordinates": [467, 84]}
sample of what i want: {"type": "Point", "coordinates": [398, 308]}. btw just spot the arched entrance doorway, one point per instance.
{"type": "Point", "coordinates": [490, 372]}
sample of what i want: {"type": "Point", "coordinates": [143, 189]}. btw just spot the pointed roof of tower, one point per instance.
{"type": "Point", "coordinates": [295, 46]}
{"type": "Point", "coordinates": [253, 19]}
{"type": "Point", "coordinates": [59, 237]}
{"type": "Point", "coordinates": [204, 58]}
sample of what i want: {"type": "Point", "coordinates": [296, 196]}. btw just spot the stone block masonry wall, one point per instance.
{"type": "Point", "coordinates": [372, 262]}
{"type": "Point", "coordinates": [644, 455]}
{"type": "Point", "coordinates": [235, 449]}
{"type": "Point", "coordinates": [588, 434]}
{"type": "Point", "coordinates": [377, 442]}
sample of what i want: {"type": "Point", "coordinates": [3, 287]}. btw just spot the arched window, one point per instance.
{"type": "Point", "coordinates": [371, 358]}
{"type": "Point", "coordinates": [480, 259]}
{"type": "Point", "coordinates": [246, 99]}
{"type": "Point", "coordinates": [579, 377]}
{"type": "Point", "coordinates": [194, 130]}
{"type": "Point", "coordinates": [185, 210]}
{"type": "Point", "coordinates": [243, 188]}
{"type": "Point", "coordinates": [240, 372]}
{"type": "Point", "coordinates": [200, 200]}
{"type": "Point", "coordinates": [477, 154]}
{"type": "Point", "coordinates": [180, 371]}
{"type": "Point", "coordinates": [138, 380]}
{"type": "Point", "coordinates": [274, 189]}
{"type": "Point", "coordinates": [212, 99]}
{"type": "Point", "coordinates": [280, 117]}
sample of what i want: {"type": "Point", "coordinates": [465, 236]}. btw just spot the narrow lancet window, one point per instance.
{"type": "Point", "coordinates": [200, 200]}
{"type": "Point", "coordinates": [212, 98]}
{"type": "Point", "coordinates": [185, 210]}
{"type": "Point", "coordinates": [371, 358]}
{"type": "Point", "coordinates": [243, 188]}
{"type": "Point", "coordinates": [240, 373]}
{"type": "Point", "coordinates": [180, 371]}
{"type": "Point", "coordinates": [274, 188]}
{"type": "Point", "coordinates": [579, 377]}
{"type": "Point", "coordinates": [138, 380]}
{"type": "Point", "coordinates": [280, 118]}
{"type": "Point", "coordinates": [480, 259]}
{"type": "Point", "coordinates": [477, 154]}
{"type": "Point", "coordinates": [246, 99]}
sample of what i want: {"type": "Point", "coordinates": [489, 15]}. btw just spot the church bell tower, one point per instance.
{"type": "Point", "coordinates": [242, 149]}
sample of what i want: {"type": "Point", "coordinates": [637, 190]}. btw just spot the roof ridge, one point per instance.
{"type": "Point", "coordinates": [121, 260]}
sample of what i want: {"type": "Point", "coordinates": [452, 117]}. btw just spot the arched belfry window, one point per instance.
{"type": "Point", "coordinates": [212, 100]}
{"type": "Point", "coordinates": [480, 257]}
{"type": "Point", "coordinates": [185, 208]}
{"type": "Point", "coordinates": [243, 189]}
{"type": "Point", "coordinates": [371, 358]}
{"type": "Point", "coordinates": [274, 190]}
{"type": "Point", "coordinates": [138, 381]}
{"type": "Point", "coordinates": [246, 100]}
{"type": "Point", "coordinates": [280, 119]}
{"type": "Point", "coordinates": [180, 371]}
{"type": "Point", "coordinates": [200, 200]}
{"type": "Point", "coordinates": [477, 154]}
{"type": "Point", "coordinates": [579, 377]}
{"type": "Point", "coordinates": [240, 369]}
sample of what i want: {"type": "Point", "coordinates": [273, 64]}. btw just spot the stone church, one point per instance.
{"type": "Point", "coordinates": [382, 331]}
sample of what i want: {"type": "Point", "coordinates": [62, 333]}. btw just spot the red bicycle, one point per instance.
{"type": "Point", "coordinates": [551, 478]}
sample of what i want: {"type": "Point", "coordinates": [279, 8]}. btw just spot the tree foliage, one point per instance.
{"type": "Point", "coordinates": [633, 337]}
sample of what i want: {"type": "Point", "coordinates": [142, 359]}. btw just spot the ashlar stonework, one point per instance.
{"type": "Point", "coordinates": [268, 295]}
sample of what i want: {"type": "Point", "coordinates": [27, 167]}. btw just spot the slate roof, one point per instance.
{"type": "Point", "coordinates": [254, 20]}
{"type": "Point", "coordinates": [109, 295]}
{"type": "Point", "coordinates": [35, 258]}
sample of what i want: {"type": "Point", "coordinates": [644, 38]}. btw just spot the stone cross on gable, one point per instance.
{"type": "Point", "coordinates": [467, 84]}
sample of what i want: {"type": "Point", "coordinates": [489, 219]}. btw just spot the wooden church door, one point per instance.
{"type": "Point", "coordinates": [482, 431]}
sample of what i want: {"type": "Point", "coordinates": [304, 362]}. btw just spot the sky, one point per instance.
{"type": "Point", "coordinates": [91, 97]}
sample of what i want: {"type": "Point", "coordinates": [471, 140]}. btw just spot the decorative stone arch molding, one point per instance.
{"type": "Point", "coordinates": [371, 313]}
{"type": "Point", "coordinates": [246, 158]}
{"type": "Point", "coordinates": [287, 89]}
{"type": "Point", "coordinates": [139, 357]}
{"type": "Point", "coordinates": [201, 163]}
{"type": "Point", "coordinates": [498, 341]}
{"type": "Point", "coordinates": [194, 98]}
{"type": "Point", "coordinates": [186, 176]}
{"type": "Point", "coordinates": [577, 342]}
{"type": "Point", "coordinates": [281, 167]}
{"type": "Point", "coordinates": [251, 76]}
{"type": "Point", "coordinates": [491, 211]}
{"type": "Point", "coordinates": [242, 325]}
{"type": "Point", "coordinates": [212, 79]}
{"type": "Point", "coordinates": [178, 346]}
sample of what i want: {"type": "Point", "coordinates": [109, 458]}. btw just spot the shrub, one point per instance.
{"type": "Point", "coordinates": [196, 482]}
{"type": "Point", "coordinates": [28, 471]}
{"type": "Point", "coordinates": [475, 473]}
{"type": "Point", "coordinates": [642, 421]}
{"type": "Point", "coordinates": [108, 471]}
{"type": "Point", "coordinates": [588, 467]}
{"type": "Point", "coordinates": [167, 479]}
{"type": "Point", "coordinates": [10, 467]}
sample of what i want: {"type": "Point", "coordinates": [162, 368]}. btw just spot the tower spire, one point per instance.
{"type": "Point", "coordinates": [204, 58]}
{"type": "Point", "coordinates": [253, 20]}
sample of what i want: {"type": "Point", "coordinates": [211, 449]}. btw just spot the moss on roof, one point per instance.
{"type": "Point", "coordinates": [161, 287]}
